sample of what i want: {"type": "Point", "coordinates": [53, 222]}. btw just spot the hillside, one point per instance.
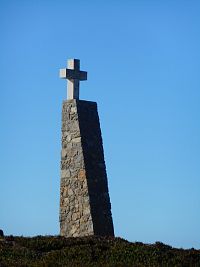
{"type": "Point", "coordinates": [91, 251]}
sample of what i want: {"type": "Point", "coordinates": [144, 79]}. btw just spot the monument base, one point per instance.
{"type": "Point", "coordinates": [85, 207]}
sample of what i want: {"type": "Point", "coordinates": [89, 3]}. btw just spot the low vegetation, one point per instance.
{"type": "Point", "coordinates": [91, 251]}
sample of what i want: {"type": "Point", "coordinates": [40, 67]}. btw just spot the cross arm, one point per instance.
{"type": "Point", "coordinates": [73, 74]}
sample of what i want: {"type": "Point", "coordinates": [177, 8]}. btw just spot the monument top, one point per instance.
{"type": "Point", "coordinates": [74, 75]}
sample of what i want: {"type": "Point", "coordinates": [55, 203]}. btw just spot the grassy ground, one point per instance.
{"type": "Point", "coordinates": [91, 251]}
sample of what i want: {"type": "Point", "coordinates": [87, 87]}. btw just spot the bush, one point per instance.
{"type": "Point", "coordinates": [91, 251]}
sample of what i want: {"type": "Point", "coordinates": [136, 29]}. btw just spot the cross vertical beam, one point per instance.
{"type": "Point", "coordinates": [73, 76]}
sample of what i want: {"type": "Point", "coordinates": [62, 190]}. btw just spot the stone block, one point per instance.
{"type": "Point", "coordinates": [84, 200]}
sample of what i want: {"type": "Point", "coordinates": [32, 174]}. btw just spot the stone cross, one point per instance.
{"type": "Point", "coordinates": [73, 76]}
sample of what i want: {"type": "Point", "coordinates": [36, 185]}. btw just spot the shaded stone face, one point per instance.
{"type": "Point", "coordinates": [84, 199]}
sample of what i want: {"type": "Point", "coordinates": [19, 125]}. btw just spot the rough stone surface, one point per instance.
{"type": "Point", "coordinates": [84, 199]}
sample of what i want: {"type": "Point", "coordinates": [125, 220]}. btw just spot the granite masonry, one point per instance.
{"type": "Point", "coordinates": [85, 207]}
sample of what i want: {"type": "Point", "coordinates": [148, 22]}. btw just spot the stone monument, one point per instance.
{"type": "Point", "coordinates": [85, 207]}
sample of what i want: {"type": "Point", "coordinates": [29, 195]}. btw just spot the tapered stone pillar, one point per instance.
{"type": "Point", "coordinates": [85, 207]}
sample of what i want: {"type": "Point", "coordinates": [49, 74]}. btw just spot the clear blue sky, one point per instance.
{"type": "Point", "coordinates": [143, 63]}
